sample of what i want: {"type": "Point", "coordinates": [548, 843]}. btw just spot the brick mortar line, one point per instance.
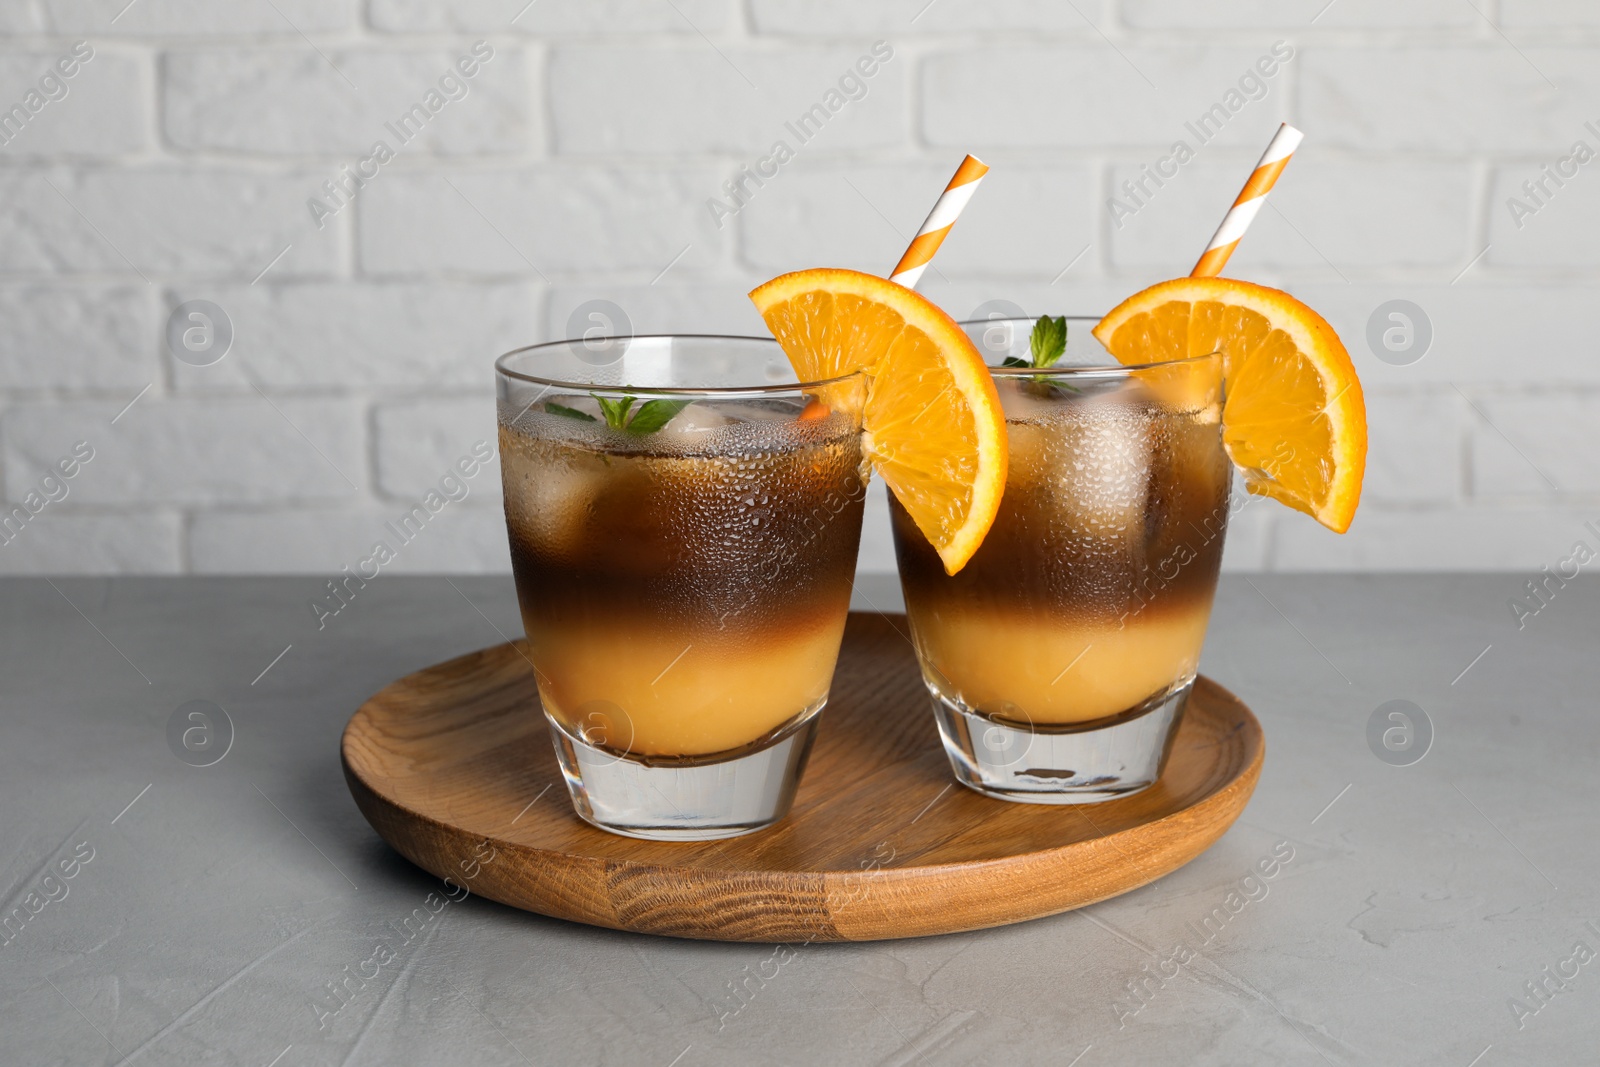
{"type": "Point", "coordinates": [540, 106]}
{"type": "Point", "coordinates": [185, 545]}
{"type": "Point", "coordinates": [954, 42]}
{"type": "Point", "coordinates": [742, 20]}
{"type": "Point", "coordinates": [372, 449]}
{"type": "Point", "coordinates": [1480, 207]}
{"type": "Point", "coordinates": [741, 29]}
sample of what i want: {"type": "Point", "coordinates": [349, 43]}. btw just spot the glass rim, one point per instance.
{"type": "Point", "coordinates": [727, 391]}
{"type": "Point", "coordinates": [1090, 370]}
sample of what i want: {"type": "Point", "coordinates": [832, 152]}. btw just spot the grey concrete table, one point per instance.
{"type": "Point", "coordinates": [1441, 912]}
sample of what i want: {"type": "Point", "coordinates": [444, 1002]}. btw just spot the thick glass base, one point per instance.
{"type": "Point", "coordinates": [1081, 763]}
{"type": "Point", "coordinates": [688, 799]}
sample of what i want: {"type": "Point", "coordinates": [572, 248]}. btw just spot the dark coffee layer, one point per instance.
{"type": "Point", "coordinates": [1110, 511]}
{"type": "Point", "coordinates": [747, 542]}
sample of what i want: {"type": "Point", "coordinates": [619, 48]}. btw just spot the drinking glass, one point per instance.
{"type": "Point", "coordinates": [684, 518]}
{"type": "Point", "coordinates": [1060, 658]}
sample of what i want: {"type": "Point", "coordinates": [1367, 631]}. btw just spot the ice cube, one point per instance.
{"type": "Point", "coordinates": [1094, 458]}
{"type": "Point", "coordinates": [551, 490]}
{"type": "Point", "coordinates": [697, 418]}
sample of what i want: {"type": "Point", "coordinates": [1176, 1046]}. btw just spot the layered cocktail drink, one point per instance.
{"type": "Point", "coordinates": [684, 514]}
{"type": "Point", "coordinates": [1060, 656]}
{"type": "Point", "coordinates": [684, 520]}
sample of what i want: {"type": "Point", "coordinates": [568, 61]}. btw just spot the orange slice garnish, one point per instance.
{"type": "Point", "coordinates": [933, 424]}
{"type": "Point", "coordinates": [1294, 421]}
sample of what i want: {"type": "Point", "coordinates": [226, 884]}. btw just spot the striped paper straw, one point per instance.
{"type": "Point", "coordinates": [943, 216]}
{"type": "Point", "coordinates": [1251, 197]}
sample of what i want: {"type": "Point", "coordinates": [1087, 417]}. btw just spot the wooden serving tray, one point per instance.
{"type": "Point", "coordinates": [453, 766]}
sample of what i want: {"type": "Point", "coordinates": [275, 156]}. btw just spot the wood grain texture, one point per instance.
{"type": "Point", "coordinates": [453, 766]}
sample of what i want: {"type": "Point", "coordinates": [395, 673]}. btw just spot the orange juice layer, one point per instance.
{"type": "Point", "coordinates": [1058, 672]}
{"type": "Point", "coordinates": [634, 688]}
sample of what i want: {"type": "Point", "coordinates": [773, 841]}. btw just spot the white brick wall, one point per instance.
{"type": "Point", "coordinates": [210, 95]}
{"type": "Point", "coordinates": [609, 17]}
{"type": "Point", "coordinates": [179, 164]}
{"type": "Point", "coordinates": [172, 219]}
{"type": "Point", "coordinates": [804, 219]}
{"type": "Point", "coordinates": [1294, 15]}
{"type": "Point", "coordinates": [415, 443]}
{"type": "Point", "coordinates": [688, 106]}
{"type": "Point", "coordinates": [176, 18]}
{"type": "Point", "coordinates": [1411, 215]}
{"type": "Point", "coordinates": [193, 452]}
{"type": "Point", "coordinates": [592, 220]}
{"type": "Point", "coordinates": [102, 114]}
{"type": "Point", "coordinates": [373, 336]}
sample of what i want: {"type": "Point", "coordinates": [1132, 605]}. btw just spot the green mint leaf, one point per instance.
{"type": "Point", "coordinates": [1013, 361]}
{"type": "Point", "coordinates": [1049, 340]}
{"type": "Point", "coordinates": [615, 411]}
{"type": "Point", "coordinates": [654, 414]}
{"type": "Point", "coordinates": [572, 413]}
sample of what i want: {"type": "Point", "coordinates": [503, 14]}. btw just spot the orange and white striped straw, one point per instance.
{"type": "Point", "coordinates": [1251, 197]}
{"type": "Point", "coordinates": [943, 216]}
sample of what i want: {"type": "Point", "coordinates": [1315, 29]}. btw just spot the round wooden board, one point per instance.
{"type": "Point", "coordinates": [454, 767]}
